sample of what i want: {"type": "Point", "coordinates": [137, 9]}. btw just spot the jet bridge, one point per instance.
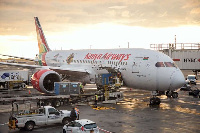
{"type": "Point", "coordinates": [185, 55]}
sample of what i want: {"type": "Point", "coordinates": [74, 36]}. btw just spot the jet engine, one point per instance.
{"type": "Point", "coordinates": [43, 80]}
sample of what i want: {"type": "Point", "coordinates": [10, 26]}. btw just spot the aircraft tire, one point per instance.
{"type": "Point", "coordinates": [175, 95]}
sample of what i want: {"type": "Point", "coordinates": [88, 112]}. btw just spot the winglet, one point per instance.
{"type": "Point", "coordinates": [42, 43]}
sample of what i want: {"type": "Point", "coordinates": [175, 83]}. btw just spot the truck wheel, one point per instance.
{"type": "Point", "coordinates": [47, 103]}
{"type": "Point", "coordinates": [56, 103]}
{"type": "Point", "coordinates": [29, 126]}
{"type": "Point", "coordinates": [65, 120]}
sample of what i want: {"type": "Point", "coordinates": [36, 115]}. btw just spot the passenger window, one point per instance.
{"type": "Point", "coordinates": [160, 64]}
{"type": "Point", "coordinates": [169, 64]}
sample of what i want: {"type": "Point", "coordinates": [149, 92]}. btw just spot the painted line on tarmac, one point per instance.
{"type": "Point", "coordinates": [105, 131]}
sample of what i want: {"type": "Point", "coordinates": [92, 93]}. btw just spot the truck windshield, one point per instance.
{"type": "Point", "coordinates": [191, 77]}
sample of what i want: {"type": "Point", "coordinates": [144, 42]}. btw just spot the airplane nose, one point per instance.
{"type": "Point", "coordinates": [177, 80]}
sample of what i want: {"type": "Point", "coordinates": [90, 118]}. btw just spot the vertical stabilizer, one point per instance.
{"type": "Point", "coordinates": [42, 43]}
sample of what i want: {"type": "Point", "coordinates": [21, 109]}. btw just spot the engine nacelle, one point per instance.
{"type": "Point", "coordinates": [43, 80]}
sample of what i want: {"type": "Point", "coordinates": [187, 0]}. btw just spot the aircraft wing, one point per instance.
{"type": "Point", "coordinates": [61, 70]}
{"type": "Point", "coordinates": [18, 57]}
{"type": "Point", "coordinates": [21, 65]}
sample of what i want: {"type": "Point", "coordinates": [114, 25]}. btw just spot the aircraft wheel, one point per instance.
{"type": "Point", "coordinates": [168, 94]}
{"type": "Point", "coordinates": [175, 95]}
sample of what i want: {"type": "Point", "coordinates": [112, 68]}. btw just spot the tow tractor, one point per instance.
{"type": "Point", "coordinates": [24, 116]}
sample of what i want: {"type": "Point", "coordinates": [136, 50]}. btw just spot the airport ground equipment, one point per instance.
{"type": "Point", "coordinates": [14, 79]}
{"type": "Point", "coordinates": [53, 100]}
{"type": "Point", "coordinates": [67, 88]}
{"type": "Point", "coordinates": [195, 92]}
{"type": "Point", "coordinates": [28, 118]}
{"type": "Point", "coordinates": [113, 80]}
{"type": "Point", "coordinates": [191, 79]}
{"type": "Point", "coordinates": [186, 87]}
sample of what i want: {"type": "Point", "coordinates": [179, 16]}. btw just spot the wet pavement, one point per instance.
{"type": "Point", "coordinates": [133, 114]}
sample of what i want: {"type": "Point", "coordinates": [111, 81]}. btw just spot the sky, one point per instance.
{"type": "Point", "coordinates": [96, 24]}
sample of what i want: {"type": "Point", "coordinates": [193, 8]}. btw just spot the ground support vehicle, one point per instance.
{"type": "Point", "coordinates": [113, 80]}
{"type": "Point", "coordinates": [81, 126]}
{"type": "Point", "coordinates": [186, 87]}
{"type": "Point", "coordinates": [28, 118]}
{"type": "Point", "coordinates": [14, 79]}
{"type": "Point", "coordinates": [195, 92]}
{"type": "Point", "coordinates": [42, 100]}
{"type": "Point", "coordinates": [191, 79]}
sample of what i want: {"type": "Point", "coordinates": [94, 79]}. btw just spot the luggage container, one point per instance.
{"type": "Point", "coordinates": [66, 88]}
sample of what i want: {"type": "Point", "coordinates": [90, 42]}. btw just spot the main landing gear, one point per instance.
{"type": "Point", "coordinates": [172, 94]}
{"type": "Point", "coordinates": [154, 100]}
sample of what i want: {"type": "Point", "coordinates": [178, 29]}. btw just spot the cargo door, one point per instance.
{"type": "Point", "coordinates": [54, 116]}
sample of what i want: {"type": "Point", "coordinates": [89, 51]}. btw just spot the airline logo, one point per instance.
{"type": "Point", "coordinates": [108, 56]}
{"type": "Point", "coordinates": [70, 58]}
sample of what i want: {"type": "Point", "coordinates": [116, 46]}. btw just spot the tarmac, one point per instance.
{"type": "Point", "coordinates": [131, 115]}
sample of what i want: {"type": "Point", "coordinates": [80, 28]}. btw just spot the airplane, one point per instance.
{"type": "Point", "coordinates": [140, 68]}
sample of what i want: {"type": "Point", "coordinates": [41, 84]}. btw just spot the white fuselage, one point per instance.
{"type": "Point", "coordinates": [139, 67]}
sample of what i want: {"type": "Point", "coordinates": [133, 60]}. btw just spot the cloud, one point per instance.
{"type": "Point", "coordinates": [17, 15]}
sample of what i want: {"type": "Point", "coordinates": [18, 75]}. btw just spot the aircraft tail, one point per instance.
{"type": "Point", "coordinates": [42, 43]}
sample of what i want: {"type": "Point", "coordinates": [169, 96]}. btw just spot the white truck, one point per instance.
{"type": "Point", "coordinates": [14, 78]}
{"type": "Point", "coordinates": [42, 116]}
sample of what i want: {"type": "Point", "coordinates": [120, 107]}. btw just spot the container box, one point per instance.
{"type": "Point", "coordinates": [66, 88]}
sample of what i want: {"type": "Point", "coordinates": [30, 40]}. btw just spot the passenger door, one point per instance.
{"type": "Point", "coordinates": [53, 116]}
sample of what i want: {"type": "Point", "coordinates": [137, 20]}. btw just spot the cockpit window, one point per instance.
{"type": "Point", "coordinates": [169, 64]}
{"type": "Point", "coordinates": [165, 64]}
{"type": "Point", "coordinates": [160, 64]}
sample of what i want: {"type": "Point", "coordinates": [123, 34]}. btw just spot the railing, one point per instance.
{"type": "Point", "coordinates": [175, 46]}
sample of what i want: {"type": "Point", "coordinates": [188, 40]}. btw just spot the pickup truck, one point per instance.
{"type": "Point", "coordinates": [42, 116]}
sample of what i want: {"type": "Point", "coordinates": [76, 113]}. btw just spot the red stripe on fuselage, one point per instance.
{"type": "Point", "coordinates": [176, 59]}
